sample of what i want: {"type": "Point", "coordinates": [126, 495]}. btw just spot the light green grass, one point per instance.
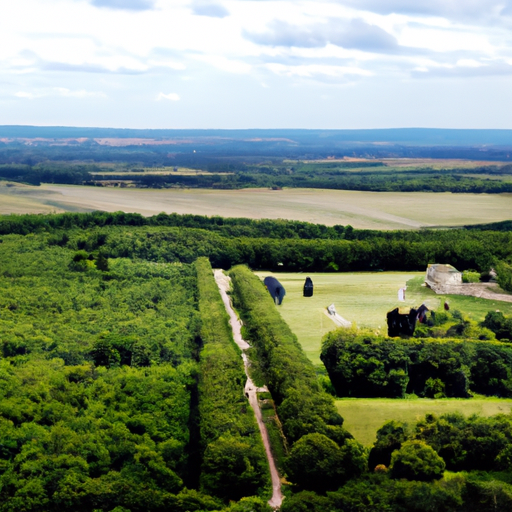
{"type": "Point", "coordinates": [362, 298]}
{"type": "Point", "coordinates": [364, 416]}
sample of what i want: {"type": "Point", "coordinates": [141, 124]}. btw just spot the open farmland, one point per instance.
{"type": "Point", "coordinates": [364, 416]}
{"type": "Point", "coordinates": [371, 210]}
{"type": "Point", "coordinates": [364, 299]}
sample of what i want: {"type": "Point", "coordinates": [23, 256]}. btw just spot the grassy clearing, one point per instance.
{"type": "Point", "coordinates": [364, 299]}
{"type": "Point", "coordinates": [364, 416]}
{"type": "Point", "coordinates": [373, 210]}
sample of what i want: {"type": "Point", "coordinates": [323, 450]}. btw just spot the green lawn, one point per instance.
{"type": "Point", "coordinates": [364, 416]}
{"type": "Point", "coordinates": [364, 299]}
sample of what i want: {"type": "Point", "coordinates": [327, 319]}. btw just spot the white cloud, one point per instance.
{"type": "Point", "coordinates": [251, 51]}
{"type": "Point", "coordinates": [172, 96]}
{"type": "Point", "coordinates": [60, 92]}
{"type": "Point", "coordinates": [131, 5]}
{"type": "Point", "coordinates": [211, 9]}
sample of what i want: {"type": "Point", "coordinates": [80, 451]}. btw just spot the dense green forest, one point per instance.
{"type": "Point", "coordinates": [121, 388]}
{"type": "Point", "coordinates": [266, 244]}
{"type": "Point", "coordinates": [101, 404]}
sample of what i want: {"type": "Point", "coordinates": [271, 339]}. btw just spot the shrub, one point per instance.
{"type": "Point", "coordinates": [417, 461]}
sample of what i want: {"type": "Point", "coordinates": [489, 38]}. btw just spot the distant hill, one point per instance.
{"type": "Point", "coordinates": [398, 136]}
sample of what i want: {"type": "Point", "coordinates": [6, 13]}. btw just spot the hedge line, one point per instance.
{"type": "Point", "coordinates": [230, 436]}
{"type": "Point", "coordinates": [362, 364]}
{"type": "Point", "coordinates": [303, 407]}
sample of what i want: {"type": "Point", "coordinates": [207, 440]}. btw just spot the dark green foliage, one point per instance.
{"type": "Point", "coordinates": [302, 405]}
{"type": "Point", "coordinates": [416, 460]}
{"type": "Point", "coordinates": [316, 463]}
{"type": "Point", "coordinates": [473, 443]}
{"type": "Point", "coordinates": [389, 438]}
{"type": "Point", "coordinates": [81, 426]}
{"type": "Point", "coordinates": [378, 493]}
{"type": "Point", "coordinates": [235, 464]}
{"type": "Point", "coordinates": [367, 365]}
{"type": "Point", "coordinates": [78, 437]}
{"type": "Point", "coordinates": [265, 243]}
{"type": "Point", "coordinates": [499, 325]}
{"type": "Point", "coordinates": [504, 275]}
{"type": "Point", "coordinates": [232, 468]}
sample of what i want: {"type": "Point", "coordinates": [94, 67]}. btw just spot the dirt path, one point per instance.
{"type": "Point", "coordinates": [480, 290]}
{"type": "Point", "coordinates": [223, 282]}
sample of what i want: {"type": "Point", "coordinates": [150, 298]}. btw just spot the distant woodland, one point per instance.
{"type": "Point", "coordinates": [258, 158]}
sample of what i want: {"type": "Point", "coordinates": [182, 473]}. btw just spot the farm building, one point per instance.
{"type": "Point", "coordinates": [275, 288]}
{"type": "Point", "coordinates": [439, 275]}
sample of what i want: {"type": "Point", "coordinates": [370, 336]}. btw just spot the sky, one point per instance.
{"type": "Point", "coordinates": [325, 64]}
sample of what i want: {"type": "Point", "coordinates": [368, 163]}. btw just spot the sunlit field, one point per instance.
{"type": "Point", "coordinates": [364, 299]}
{"type": "Point", "coordinates": [372, 210]}
{"type": "Point", "coordinates": [364, 416]}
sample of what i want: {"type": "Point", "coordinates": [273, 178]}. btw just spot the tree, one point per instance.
{"type": "Point", "coordinates": [315, 463]}
{"type": "Point", "coordinates": [232, 468]}
{"type": "Point", "coordinates": [417, 460]}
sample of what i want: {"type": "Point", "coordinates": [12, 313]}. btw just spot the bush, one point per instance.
{"type": "Point", "coordinates": [470, 276]}
{"type": "Point", "coordinates": [417, 461]}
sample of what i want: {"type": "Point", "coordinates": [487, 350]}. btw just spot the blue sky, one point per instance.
{"type": "Point", "coordinates": [257, 64]}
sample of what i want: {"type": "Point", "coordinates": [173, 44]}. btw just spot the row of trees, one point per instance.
{"type": "Point", "coordinates": [363, 364]}
{"type": "Point", "coordinates": [323, 454]}
{"type": "Point", "coordinates": [234, 462]}
{"type": "Point", "coordinates": [378, 182]}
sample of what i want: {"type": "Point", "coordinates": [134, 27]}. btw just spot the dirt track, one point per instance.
{"type": "Point", "coordinates": [223, 282]}
{"type": "Point", "coordinates": [481, 290]}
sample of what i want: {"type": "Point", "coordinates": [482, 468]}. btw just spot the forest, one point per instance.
{"type": "Point", "coordinates": [121, 388]}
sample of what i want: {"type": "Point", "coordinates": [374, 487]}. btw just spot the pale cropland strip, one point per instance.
{"type": "Point", "coordinates": [368, 210]}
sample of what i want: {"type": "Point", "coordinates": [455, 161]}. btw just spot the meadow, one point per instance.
{"type": "Point", "coordinates": [364, 210]}
{"type": "Point", "coordinates": [364, 416]}
{"type": "Point", "coordinates": [363, 299]}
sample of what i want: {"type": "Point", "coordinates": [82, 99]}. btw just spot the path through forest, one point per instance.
{"type": "Point", "coordinates": [223, 282]}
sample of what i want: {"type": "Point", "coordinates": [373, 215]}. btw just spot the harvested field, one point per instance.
{"type": "Point", "coordinates": [364, 416]}
{"type": "Point", "coordinates": [372, 210]}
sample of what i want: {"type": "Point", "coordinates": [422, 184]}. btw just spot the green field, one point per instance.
{"type": "Point", "coordinates": [372, 210]}
{"type": "Point", "coordinates": [364, 416]}
{"type": "Point", "coordinates": [364, 299]}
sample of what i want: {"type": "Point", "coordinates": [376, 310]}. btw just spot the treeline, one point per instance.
{"type": "Point", "coordinates": [462, 250]}
{"type": "Point", "coordinates": [265, 177]}
{"type": "Point", "coordinates": [267, 244]}
{"type": "Point", "coordinates": [232, 450]}
{"type": "Point", "coordinates": [35, 175]}
{"type": "Point", "coordinates": [362, 364]}
{"type": "Point", "coordinates": [323, 454]}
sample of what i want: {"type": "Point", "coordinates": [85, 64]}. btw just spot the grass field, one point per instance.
{"type": "Point", "coordinates": [364, 416]}
{"type": "Point", "coordinates": [364, 299]}
{"type": "Point", "coordinates": [373, 210]}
